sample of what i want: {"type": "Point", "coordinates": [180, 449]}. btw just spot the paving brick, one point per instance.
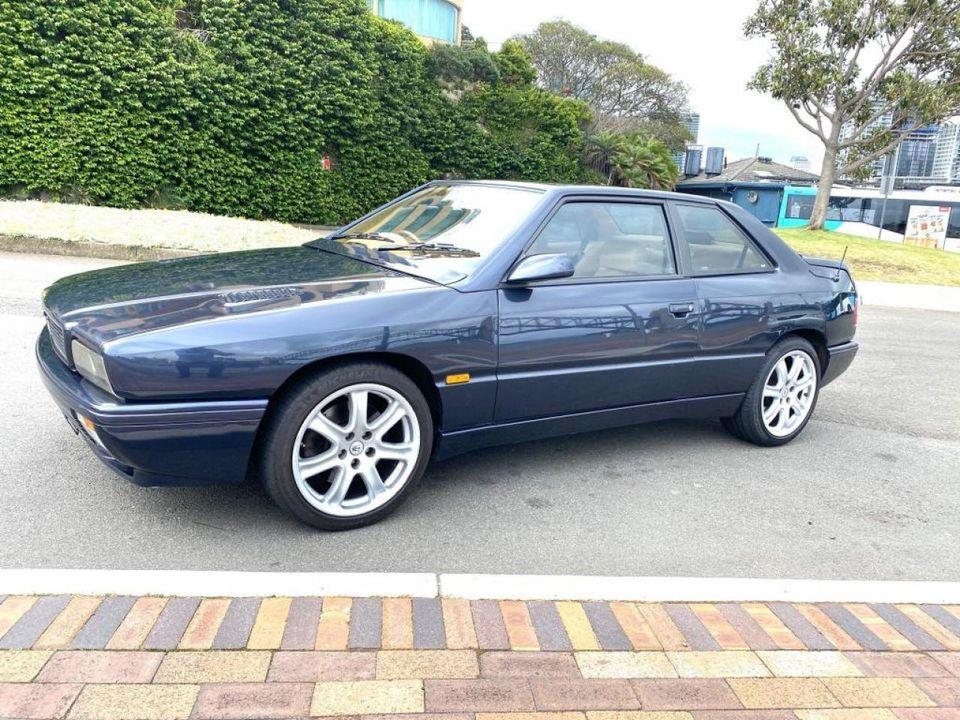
{"type": "Point", "coordinates": [428, 624]}
{"type": "Point", "coordinates": [927, 713]}
{"type": "Point", "coordinates": [246, 701]}
{"type": "Point", "coordinates": [667, 634]}
{"type": "Point", "coordinates": [773, 626]}
{"type": "Point", "coordinates": [458, 624]}
{"type": "Point", "coordinates": [238, 620]}
{"type": "Point", "coordinates": [136, 626]}
{"type": "Point", "coordinates": [301, 630]}
{"type": "Point", "coordinates": [421, 716]}
{"type": "Point", "coordinates": [648, 664]}
{"type": "Point", "coordinates": [549, 628]}
{"type": "Point", "coordinates": [421, 664]}
{"type": "Point", "coordinates": [12, 609]}
{"type": "Point", "coordinates": [21, 665]}
{"type": "Point", "coordinates": [888, 664]}
{"type": "Point", "coordinates": [877, 692]}
{"type": "Point", "coordinates": [583, 694]}
{"type": "Point", "coordinates": [267, 630]}
{"type": "Point", "coordinates": [685, 694]}
{"type": "Point", "coordinates": [101, 626]}
{"type": "Point", "coordinates": [943, 616]}
{"type": "Point", "coordinates": [577, 625]}
{"type": "Point", "coordinates": [920, 638]}
{"type": "Point", "coordinates": [170, 626]}
{"type": "Point", "coordinates": [639, 715]}
{"type": "Point", "coordinates": [949, 660]}
{"type": "Point", "coordinates": [693, 630]}
{"type": "Point", "coordinates": [793, 693]}
{"type": "Point", "coordinates": [152, 702]}
{"type": "Point", "coordinates": [212, 666]}
{"type": "Point", "coordinates": [949, 640]}
{"type": "Point", "coordinates": [368, 697]}
{"type": "Point", "coordinates": [516, 620]}
{"type": "Point", "coordinates": [397, 632]}
{"type": "Point", "coordinates": [717, 625]}
{"type": "Point", "coordinates": [482, 695]}
{"type": "Point", "coordinates": [943, 691]}
{"type": "Point", "coordinates": [334, 628]}
{"type": "Point", "coordinates": [744, 715]}
{"type": "Point", "coordinates": [827, 627]}
{"type": "Point", "coordinates": [805, 631]}
{"type": "Point", "coordinates": [366, 622]}
{"type": "Point", "coordinates": [853, 627]}
{"type": "Point", "coordinates": [847, 714]}
{"type": "Point", "coordinates": [528, 665]}
{"type": "Point", "coordinates": [488, 624]}
{"type": "Point", "coordinates": [569, 715]}
{"type": "Point", "coordinates": [879, 627]}
{"type": "Point", "coordinates": [100, 666]}
{"type": "Point", "coordinates": [800, 663]}
{"type": "Point", "coordinates": [33, 622]}
{"type": "Point", "coordinates": [205, 624]}
{"type": "Point", "coordinates": [67, 624]}
{"type": "Point", "coordinates": [28, 701]}
{"type": "Point", "coordinates": [746, 627]}
{"type": "Point", "coordinates": [634, 626]}
{"type": "Point", "coordinates": [605, 626]}
{"type": "Point", "coordinates": [718, 664]}
{"type": "Point", "coordinates": [296, 666]}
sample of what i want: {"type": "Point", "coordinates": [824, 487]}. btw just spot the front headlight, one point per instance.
{"type": "Point", "coordinates": [90, 365]}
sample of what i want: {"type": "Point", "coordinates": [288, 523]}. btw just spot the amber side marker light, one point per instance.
{"type": "Point", "coordinates": [458, 379]}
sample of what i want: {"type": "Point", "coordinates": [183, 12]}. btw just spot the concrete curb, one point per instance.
{"type": "Point", "coordinates": [473, 587]}
{"type": "Point", "coordinates": [105, 251]}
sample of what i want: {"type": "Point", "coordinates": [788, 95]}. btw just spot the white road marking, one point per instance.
{"type": "Point", "coordinates": [490, 587]}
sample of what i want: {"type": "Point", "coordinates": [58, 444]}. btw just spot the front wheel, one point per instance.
{"type": "Point", "coordinates": [781, 400]}
{"type": "Point", "coordinates": [345, 447]}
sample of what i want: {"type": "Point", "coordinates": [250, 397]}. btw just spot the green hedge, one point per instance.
{"type": "Point", "coordinates": [228, 106]}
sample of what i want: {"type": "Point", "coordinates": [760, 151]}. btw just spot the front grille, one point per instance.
{"type": "Point", "coordinates": [58, 338]}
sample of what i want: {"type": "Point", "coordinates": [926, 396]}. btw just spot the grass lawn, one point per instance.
{"type": "Point", "coordinates": [878, 259]}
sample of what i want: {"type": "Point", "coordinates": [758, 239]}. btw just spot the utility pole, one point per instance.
{"type": "Point", "coordinates": [887, 184]}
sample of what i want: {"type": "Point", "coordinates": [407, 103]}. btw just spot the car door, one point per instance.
{"type": "Point", "coordinates": [737, 285]}
{"type": "Point", "coordinates": [622, 331]}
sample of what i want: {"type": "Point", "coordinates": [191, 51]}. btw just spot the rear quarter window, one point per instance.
{"type": "Point", "coordinates": [716, 245]}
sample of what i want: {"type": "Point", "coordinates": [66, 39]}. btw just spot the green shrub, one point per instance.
{"type": "Point", "coordinates": [231, 106]}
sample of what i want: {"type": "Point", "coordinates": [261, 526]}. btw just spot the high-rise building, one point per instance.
{"type": "Point", "coordinates": [916, 153]}
{"type": "Point", "coordinates": [800, 162]}
{"type": "Point", "coordinates": [946, 160]}
{"type": "Point", "coordinates": [882, 122]}
{"type": "Point", "coordinates": [691, 121]}
{"type": "Point", "coordinates": [433, 20]}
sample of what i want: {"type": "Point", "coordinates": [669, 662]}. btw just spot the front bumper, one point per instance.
{"type": "Point", "coordinates": [840, 357]}
{"type": "Point", "coordinates": [153, 444]}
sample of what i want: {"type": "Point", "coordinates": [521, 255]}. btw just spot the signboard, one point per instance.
{"type": "Point", "coordinates": [927, 226]}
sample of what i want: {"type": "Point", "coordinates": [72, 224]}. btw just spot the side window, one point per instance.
{"type": "Point", "coordinates": [716, 245]}
{"type": "Point", "coordinates": [609, 240]}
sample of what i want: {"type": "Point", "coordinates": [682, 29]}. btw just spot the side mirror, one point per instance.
{"type": "Point", "coordinates": [542, 267]}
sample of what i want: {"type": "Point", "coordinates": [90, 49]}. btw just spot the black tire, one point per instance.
{"type": "Point", "coordinates": [282, 427]}
{"type": "Point", "coordinates": [747, 424]}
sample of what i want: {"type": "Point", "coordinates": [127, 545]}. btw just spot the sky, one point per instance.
{"type": "Point", "coordinates": [699, 42]}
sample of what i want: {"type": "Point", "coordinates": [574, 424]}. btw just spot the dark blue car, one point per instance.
{"type": "Point", "coordinates": [462, 315]}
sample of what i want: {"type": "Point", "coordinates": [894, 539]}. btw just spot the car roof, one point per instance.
{"type": "Point", "coordinates": [563, 190]}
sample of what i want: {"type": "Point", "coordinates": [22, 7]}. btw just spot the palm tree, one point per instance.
{"type": "Point", "coordinates": [601, 148]}
{"type": "Point", "coordinates": [645, 163]}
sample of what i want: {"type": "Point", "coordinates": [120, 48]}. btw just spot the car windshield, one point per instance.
{"type": "Point", "coordinates": [442, 232]}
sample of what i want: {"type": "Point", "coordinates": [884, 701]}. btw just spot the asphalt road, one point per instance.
{"type": "Point", "coordinates": [871, 490]}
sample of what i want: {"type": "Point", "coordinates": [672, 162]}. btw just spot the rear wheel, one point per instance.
{"type": "Point", "coordinates": [782, 399]}
{"type": "Point", "coordinates": [345, 447]}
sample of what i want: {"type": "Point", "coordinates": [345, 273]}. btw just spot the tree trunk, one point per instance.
{"type": "Point", "coordinates": [828, 174]}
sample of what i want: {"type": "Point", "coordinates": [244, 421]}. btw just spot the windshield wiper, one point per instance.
{"type": "Point", "coordinates": [363, 236]}
{"type": "Point", "coordinates": [394, 246]}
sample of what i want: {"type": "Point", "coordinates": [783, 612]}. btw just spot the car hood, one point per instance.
{"type": "Point", "coordinates": [107, 304]}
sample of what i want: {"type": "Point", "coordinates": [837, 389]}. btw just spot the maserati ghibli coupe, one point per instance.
{"type": "Point", "coordinates": [461, 315]}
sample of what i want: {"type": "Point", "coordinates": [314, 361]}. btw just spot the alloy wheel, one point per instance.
{"type": "Point", "coordinates": [788, 393]}
{"type": "Point", "coordinates": [356, 450]}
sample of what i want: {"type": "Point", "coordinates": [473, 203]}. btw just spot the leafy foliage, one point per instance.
{"type": "Point", "coordinates": [851, 63]}
{"type": "Point", "coordinates": [625, 91]}
{"type": "Point", "coordinates": [231, 107]}
{"type": "Point", "coordinates": [645, 163]}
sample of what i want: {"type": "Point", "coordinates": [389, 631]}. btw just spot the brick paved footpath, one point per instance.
{"type": "Point", "coordinates": [149, 657]}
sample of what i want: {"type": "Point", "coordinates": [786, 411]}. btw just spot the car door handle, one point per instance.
{"type": "Point", "coordinates": [681, 310]}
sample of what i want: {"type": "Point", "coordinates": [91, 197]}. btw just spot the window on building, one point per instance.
{"type": "Point", "coordinates": [716, 245]}
{"type": "Point", "coordinates": [609, 240]}
{"type": "Point", "coordinates": [431, 18]}
{"type": "Point", "coordinates": [845, 209]}
{"type": "Point", "coordinates": [799, 207]}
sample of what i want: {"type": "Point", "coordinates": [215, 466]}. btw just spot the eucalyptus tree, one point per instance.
{"type": "Point", "coordinates": [859, 74]}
